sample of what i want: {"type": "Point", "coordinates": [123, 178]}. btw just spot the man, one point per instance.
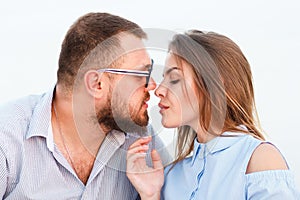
{"type": "Point", "coordinates": [71, 142]}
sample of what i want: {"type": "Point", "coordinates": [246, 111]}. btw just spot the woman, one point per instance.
{"type": "Point", "coordinates": [207, 93]}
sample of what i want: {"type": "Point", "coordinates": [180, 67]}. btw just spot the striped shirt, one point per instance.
{"type": "Point", "coordinates": [32, 167]}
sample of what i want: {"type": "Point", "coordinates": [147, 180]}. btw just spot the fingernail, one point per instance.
{"type": "Point", "coordinates": [147, 137]}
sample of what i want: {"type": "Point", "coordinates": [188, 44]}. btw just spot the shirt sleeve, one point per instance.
{"type": "Point", "coordinates": [272, 184]}
{"type": "Point", "coordinates": [3, 173]}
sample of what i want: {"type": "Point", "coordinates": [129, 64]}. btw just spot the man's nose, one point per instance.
{"type": "Point", "coordinates": [151, 85]}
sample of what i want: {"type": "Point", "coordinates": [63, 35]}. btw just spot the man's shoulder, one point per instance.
{"type": "Point", "coordinates": [15, 117]}
{"type": "Point", "coordinates": [14, 121]}
{"type": "Point", "coordinates": [18, 109]}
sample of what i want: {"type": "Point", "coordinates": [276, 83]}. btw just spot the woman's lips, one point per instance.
{"type": "Point", "coordinates": [163, 107]}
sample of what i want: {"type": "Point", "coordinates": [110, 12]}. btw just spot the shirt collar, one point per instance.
{"type": "Point", "coordinates": [118, 136]}
{"type": "Point", "coordinates": [50, 140]}
{"type": "Point", "coordinates": [217, 144]}
{"type": "Point", "coordinates": [41, 116]}
{"type": "Point", "coordinates": [40, 124]}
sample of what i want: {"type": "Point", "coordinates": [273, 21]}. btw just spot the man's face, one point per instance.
{"type": "Point", "coordinates": [126, 107]}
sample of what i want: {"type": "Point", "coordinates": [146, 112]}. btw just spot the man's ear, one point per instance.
{"type": "Point", "coordinates": [93, 83]}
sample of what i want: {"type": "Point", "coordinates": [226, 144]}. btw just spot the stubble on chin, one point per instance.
{"type": "Point", "coordinates": [118, 119]}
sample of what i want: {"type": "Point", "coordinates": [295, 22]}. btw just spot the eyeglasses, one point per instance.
{"type": "Point", "coordinates": [131, 72]}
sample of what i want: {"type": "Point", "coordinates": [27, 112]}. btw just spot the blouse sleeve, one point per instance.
{"type": "Point", "coordinates": [272, 184]}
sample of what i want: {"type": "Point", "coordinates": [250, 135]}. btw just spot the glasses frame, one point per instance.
{"type": "Point", "coordinates": [131, 72]}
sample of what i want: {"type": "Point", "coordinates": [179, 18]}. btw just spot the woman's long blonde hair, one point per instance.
{"type": "Point", "coordinates": [223, 79]}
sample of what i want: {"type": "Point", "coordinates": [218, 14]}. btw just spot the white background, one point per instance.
{"type": "Point", "coordinates": [268, 33]}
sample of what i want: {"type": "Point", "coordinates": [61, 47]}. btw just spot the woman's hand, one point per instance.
{"type": "Point", "coordinates": [148, 181]}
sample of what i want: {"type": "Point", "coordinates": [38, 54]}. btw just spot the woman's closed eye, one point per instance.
{"type": "Point", "coordinates": [174, 77]}
{"type": "Point", "coordinates": [174, 81]}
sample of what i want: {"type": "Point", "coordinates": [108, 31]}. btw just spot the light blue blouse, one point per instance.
{"type": "Point", "coordinates": [217, 171]}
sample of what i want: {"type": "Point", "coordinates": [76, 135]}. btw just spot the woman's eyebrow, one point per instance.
{"type": "Point", "coordinates": [170, 70]}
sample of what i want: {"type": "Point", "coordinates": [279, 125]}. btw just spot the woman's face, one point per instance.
{"type": "Point", "coordinates": [178, 104]}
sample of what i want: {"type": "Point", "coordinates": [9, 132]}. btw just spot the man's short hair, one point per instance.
{"type": "Point", "coordinates": [88, 32]}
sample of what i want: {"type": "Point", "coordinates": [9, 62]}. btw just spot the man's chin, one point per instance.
{"type": "Point", "coordinates": [143, 120]}
{"type": "Point", "coordinates": [131, 126]}
{"type": "Point", "coordinates": [136, 123]}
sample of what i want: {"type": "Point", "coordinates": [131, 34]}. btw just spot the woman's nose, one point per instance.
{"type": "Point", "coordinates": [160, 91]}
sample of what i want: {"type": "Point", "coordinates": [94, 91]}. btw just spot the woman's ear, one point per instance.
{"type": "Point", "coordinates": [93, 84]}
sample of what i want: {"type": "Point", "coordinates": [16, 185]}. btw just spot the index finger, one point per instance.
{"type": "Point", "coordinates": [140, 142]}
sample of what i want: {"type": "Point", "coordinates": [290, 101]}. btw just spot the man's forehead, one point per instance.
{"type": "Point", "coordinates": [131, 43]}
{"type": "Point", "coordinates": [138, 60]}
{"type": "Point", "coordinates": [135, 55]}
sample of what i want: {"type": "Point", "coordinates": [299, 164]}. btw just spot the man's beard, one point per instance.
{"type": "Point", "coordinates": [117, 116]}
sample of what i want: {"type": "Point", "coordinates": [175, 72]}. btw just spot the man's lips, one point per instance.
{"type": "Point", "coordinates": [146, 99]}
{"type": "Point", "coordinates": [145, 105]}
